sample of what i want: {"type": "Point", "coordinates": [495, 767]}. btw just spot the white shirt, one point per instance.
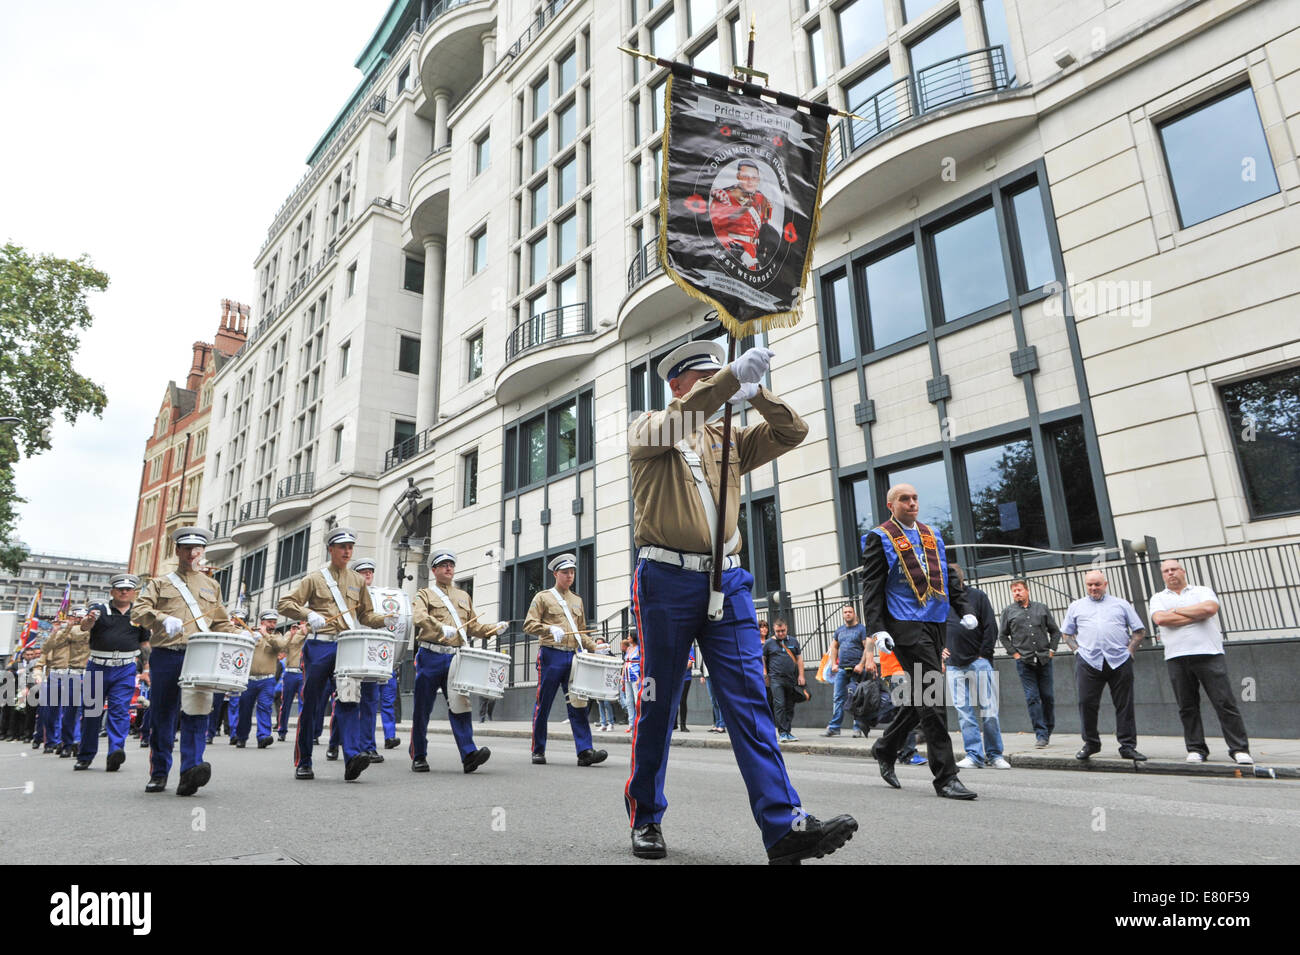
{"type": "Point", "coordinates": [1202, 637]}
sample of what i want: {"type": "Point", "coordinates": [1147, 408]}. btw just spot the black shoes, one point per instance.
{"type": "Point", "coordinates": [264, 741]}
{"type": "Point", "coordinates": [955, 790]}
{"type": "Point", "coordinates": [1088, 752]}
{"type": "Point", "coordinates": [476, 759]}
{"type": "Point", "coordinates": [648, 842]}
{"type": "Point", "coordinates": [831, 733]}
{"type": "Point", "coordinates": [82, 764]}
{"type": "Point", "coordinates": [48, 749]}
{"type": "Point", "coordinates": [419, 765]}
{"type": "Point", "coordinates": [280, 737]}
{"type": "Point", "coordinates": [115, 760]}
{"type": "Point", "coordinates": [65, 751]}
{"type": "Point", "coordinates": [193, 778]}
{"type": "Point", "coordinates": [886, 767]}
{"type": "Point", "coordinates": [539, 759]}
{"type": "Point", "coordinates": [239, 743]}
{"type": "Point", "coordinates": [303, 772]}
{"type": "Point", "coordinates": [393, 743]}
{"type": "Point", "coordinates": [812, 840]}
{"type": "Point", "coordinates": [374, 756]}
{"type": "Point", "coordinates": [1130, 752]}
{"type": "Point", "coordinates": [589, 757]}
{"type": "Point", "coordinates": [356, 766]}
{"type": "Point", "coordinates": [332, 753]}
{"type": "Point", "coordinates": [144, 744]}
{"type": "Point", "coordinates": [156, 784]}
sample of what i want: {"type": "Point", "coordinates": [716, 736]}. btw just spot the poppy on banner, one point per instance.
{"type": "Point", "coordinates": [739, 214]}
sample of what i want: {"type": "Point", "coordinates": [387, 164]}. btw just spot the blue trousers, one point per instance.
{"type": "Point", "coordinates": [165, 701]}
{"type": "Point", "coordinates": [553, 667]}
{"type": "Point", "coordinates": [369, 709]}
{"type": "Point", "coordinates": [70, 716]}
{"type": "Point", "coordinates": [111, 688]}
{"type": "Point", "coordinates": [388, 707]}
{"type": "Point", "coordinates": [326, 692]}
{"type": "Point", "coordinates": [1040, 696]}
{"type": "Point", "coordinates": [260, 694]}
{"type": "Point", "coordinates": [430, 677]}
{"type": "Point", "coordinates": [671, 607]}
{"type": "Point", "coordinates": [718, 721]}
{"type": "Point", "coordinates": [845, 680]}
{"type": "Point", "coordinates": [50, 712]}
{"type": "Point", "coordinates": [292, 691]}
{"type": "Point", "coordinates": [216, 719]}
{"type": "Point", "coordinates": [318, 665]}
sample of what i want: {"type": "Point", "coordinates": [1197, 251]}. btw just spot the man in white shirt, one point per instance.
{"type": "Point", "coordinates": [1188, 620]}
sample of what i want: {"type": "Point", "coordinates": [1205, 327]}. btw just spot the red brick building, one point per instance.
{"type": "Point", "coordinates": [172, 475]}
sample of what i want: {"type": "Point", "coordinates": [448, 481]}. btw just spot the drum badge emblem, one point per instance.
{"type": "Point", "coordinates": [239, 660]}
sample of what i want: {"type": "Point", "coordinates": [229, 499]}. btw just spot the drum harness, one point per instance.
{"type": "Point", "coordinates": [190, 602]}
{"type": "Point", "coordinates": [455, 617]}
{"type": "Point", "coordinates": [702, 563]}
{"type": "Point", "coordinates": [338, 602]}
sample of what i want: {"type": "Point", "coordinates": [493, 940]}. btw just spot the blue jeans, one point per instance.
{"type": "Point", "coordinates": [845, 680]}
{"type": "Point", "coordinates": [973, 688]}
{"type": "Point", "coordinates": [606, 711]}
{"type": "Point", "coordinates": [1040, 697]}
{"type": "Point", "coordinates": [718, 721]}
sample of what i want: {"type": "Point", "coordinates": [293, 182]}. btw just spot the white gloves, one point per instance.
{"type": "Point", "coordinates": [750, 367]}
{"type": "Point", "coordinates": [602, 646]}
{"type": "Point", "coordinates": [173, 626]}
{"type": "Point", "coordinates": [970, 621]}
{"type": "Point", "coordinates": [448, 632]}
{"type": "Point", "coordinates": [747, 391]}
{"type": "Point", "coordinates": [884, 641]}
{"type": "Point", "coordinates": [502, 627]}
{"type": "Point", "coordinates": [558, 634]}
{"type": "Point", "coordinates": [315, 621]}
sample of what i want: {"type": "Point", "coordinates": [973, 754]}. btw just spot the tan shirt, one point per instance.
{"type": "Point", "coordinates": [669, 512]}
{"type": "Point", "coordinates": [160, 599]}
{"type": "Point", "coordinates": [266, 653]}
{"type": "Point", "coordinates": [293, 650]}
{"type": "Point", "coordinates": [429, 615]}
{"type": "Point", "coordinates": [78, 647]}
{"type": "Point", "coordinates": [545, 612]}
{"type": "Point", "coordinates": [312, 593]}
{"type": "Point", "coordinates": [56, 651]}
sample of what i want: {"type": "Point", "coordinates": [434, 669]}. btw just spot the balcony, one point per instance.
{"type": "Point", "coordinates": [253, 521]}
{"type": "Point", "coordinates": [292, 498]}
{"type": "Point", "coordinates": [412, 447]}
{"type": "Point", "coordinates": [222, 543]}
{"type": "Point", "coordinates": [451, 47]}
{"type": "Point", "coordinates": [544, 348]}
{"type": "Point", "coordinates": [427, 195]}
{"type": "Point", "coordinates": [651, 294]}
{"type": "Point", "coordinates": [956, 110]}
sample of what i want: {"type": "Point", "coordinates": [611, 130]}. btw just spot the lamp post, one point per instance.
{"type": "Point", "coordinates": [410, 497]}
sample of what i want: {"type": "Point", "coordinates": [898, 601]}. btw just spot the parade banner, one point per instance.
{"type": "Point", "coordinates": [739, 203]}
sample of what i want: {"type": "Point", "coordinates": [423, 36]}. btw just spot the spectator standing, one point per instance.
{"type": "Point", "coordinates": [631, 677]}
{"type": "Point", "coordinates": [972, 681]}
{"type": "Point", "coordinates": [719, 724]}
{"type": "Point", "coordinates": [1031, 636]}
{"type": "Point", "coordinates": [849, 665]}
{"type": "Point", "coordinates": [1188, 618]}
{"type": "Point", "coordinates": [1108, 631]}
{"type": "Point", "coordinates": [783, 666]}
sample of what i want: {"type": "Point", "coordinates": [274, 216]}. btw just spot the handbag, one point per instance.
{"type": "Point", "coordinates": [801, 694]}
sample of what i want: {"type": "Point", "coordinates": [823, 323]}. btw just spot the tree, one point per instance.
{"type": "Point", "coordinates": [42, 312]}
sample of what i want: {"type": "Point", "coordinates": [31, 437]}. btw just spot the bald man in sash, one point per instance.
{"type": "Point", "coordinates": [332, 600]}
{"type": "Point", "coordinates": [173, 608]}
{"type": "Point", "coordinates": [676, 467]}
{"type": "Point", "coordinates": [443, 617]}
{"type": "Point", "coordinates": [558, 619]}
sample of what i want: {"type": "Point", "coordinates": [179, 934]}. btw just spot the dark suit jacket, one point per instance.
{"type": "Point", "coordinates": [875, 615]}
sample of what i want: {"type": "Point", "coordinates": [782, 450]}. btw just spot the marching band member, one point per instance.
{"type": "Point", "coordinates": [442, 616]}
{"type": "Point", "coordinates": [676, 471]}
{"type": "Point", "coordinates": [369, 691]}
{"type": "Point", "coordinates": [331, 600]}
{"type": "Point", "coordinates": [53, 666]}
{"type": "Point", "coordinates": [295, 637]}
{"type": "Point", "coordinates": [173, 607]}
{"type": "Point", "coordinates": [78, 657]}
{"type": "Point", "coordinates": [113, 643]}
{"type": "Point", "coordinates": [558, 618]}
{"type": "Point", "coordinates": [261, 683]}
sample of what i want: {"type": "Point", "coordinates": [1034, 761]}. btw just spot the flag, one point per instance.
{"type": "Point", "coordinates": [739, 207]}
{"type": "Point", "coordinates": [33, 624]}
{"type": "Point", "coordinates": [62, 615]}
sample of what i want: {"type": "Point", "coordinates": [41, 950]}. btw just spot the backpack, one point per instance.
{"type": "Point", "coordinates": [864, 702]}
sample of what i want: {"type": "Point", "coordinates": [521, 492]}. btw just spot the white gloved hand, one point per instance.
{"type": "Point", "coordinates": [750, 367]}
{"type": "Point", "coordinates": [884, 641]}
{"type": "Point", "coordinates": [746, 391]}
{"type": "Point", "coordinates": [502, 627]}
{"type": "Point", "coordinates": [315, 621]}
{"type": "Point", "coordinates": [557, 633]}
{"type": "Point", "coordinates": [970, 621]}
{"type": "Point", "coordinates": [602, 646]}
{"type": "Point", "coordinates": [173, 625]}
{"type": "Point", "coordinates": [448, 632]}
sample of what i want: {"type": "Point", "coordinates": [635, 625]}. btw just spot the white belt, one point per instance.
{"type": "Point", "coordinates": [436, 647]}
{"type": "Point", "coordinates": [293, 669]}
{"type": "Point", "coordinates": [60, 671]}
{"type": "Point", "coordinates": [264, 676]}
{"type": "Point", "coordinates": [323, 637]}
{"type": "Point", "coordinates": [120, 658]}
{"type": "Point", "coordinates": [702, 563]}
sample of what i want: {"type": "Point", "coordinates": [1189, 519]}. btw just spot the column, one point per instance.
{"type": "Point", "coordinates": [426, 410]}
{"type": "Point", "coordinates": [489, 51]}
{"type": "Point", "coordinates": [440, 99]}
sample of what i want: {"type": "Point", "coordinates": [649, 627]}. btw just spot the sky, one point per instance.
{"type": "Point", "coordinates": [159, 139]}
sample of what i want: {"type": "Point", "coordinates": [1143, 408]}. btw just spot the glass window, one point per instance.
{"type": "Point", "coordinates": [541, 145]}
{"type": "Point", "coordinates": [879, 113]}
{"type": "Point", "coordinates": [345, 361]}
{"type": "Point", "coordinates": [479, 252]}
{"type": "Point", "coordinates": [894, 307]}
{"type": "Point", "coordinates": [403, 431]}
{"type": "Point", "coordinates": [565, 419]}
{"type": "Point", "coordinates": [634, 105]}
{"type": "Point", "coordinates": [469, 489]}
{"type": "Point", "coordinates": [949, 81]}
{"type": "Point", "coordinates": [838, 311]}
{"type": "Point", "coordinates": [1218, 157]}
{"type": "Point", "coordinates": [768, 544]}
{"type": "Point", "coordinates": [537, 264]}
{"type": "Point", "coordinates": [482, 154]}
{"type": "Point", "coordinates": [637, 201]}
{"type": "Point", "coordinates": [817, 50]}
{"type": "Point", "coordinates": [1006, 503]}
{"type": "Point", "coordinates": [568, 71]}
{"type": "Point", "coordinates": [567, 233]}
{"type": "Point", "coordinates": [931, 485]}
{"type": "Point", "coordinates": [567, 125]}
{"type": "Point", "coordinates": [739, 49]}
{"type": "Point", "coordinates": [663, 37]}
{"type": "Point", "coordinates": [476, 356]}
{"type": "Point", "coordinates": [534, 450]}
{"type": "Point", "coordinates": [408, 355]}
{"type": "Point", "coordinates": [912, 9]}
{"type": "Point", "coordinates": [1264, 418]}
{"type": "Point", "coordinates": [538, 205]}
{"type": "Point", "coordinates": [656, 170]}
{"type": "Point", "coordinates": [541, 98]}
{"type": "Point", "coordinates": [1031, 231]}
{"type": "Point", "coordinates": [657, 105]}
{"type": "Point", "coordinates": [701, 13]}
{"type": "Point", "coordinates": [995, 29]}
{"type": "Point", "coordinates": [413, 275]}
{"type": "Point", "coordinates": [706, 58]}
{"type": "Point", "coordinates": [862, 26]}
{"type": "Point", "coordinates": [968, 256]}
{"type": "Point", "coordinates": [860, 500]}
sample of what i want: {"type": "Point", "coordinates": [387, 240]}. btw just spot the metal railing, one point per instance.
{"type": "Point", "coordinates": [221, 530]}
{"type": "Point", "coordinates": [549, 326]}
{"type": "Point", "coordinates": [295, 485]}
{"type": "Point", "coordinates": [645, 263]}
{"type": "Point", "coordinates": [254, 510]}
{"type": "Point", "coordinates": [968, 74]}
{"type": "Point", "coordinates": [388, 202]}
{"type": "Point", "coordinates": [535, 28]}
{"type": "Point", "coordinates": [412, 447]}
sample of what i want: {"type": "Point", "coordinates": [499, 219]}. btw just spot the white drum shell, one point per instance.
{"type": "Point", "coordinates": [479, 671]}
{"type": "Point", "coordinates": [594, 676]}
{"type": "Point", "coordinates": [219, 662]}
{"type": "Point", "coordinates": [365, 655]}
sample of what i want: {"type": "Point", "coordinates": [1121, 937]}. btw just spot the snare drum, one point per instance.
{"type": "Point", "coordinates": [595, 676]}
{"type": "Point", "coordinates": [479, 671]}
{"type": "Point", "coordinates": [365, 655]}
{"type": "Point", "coordinates": [219, 662]}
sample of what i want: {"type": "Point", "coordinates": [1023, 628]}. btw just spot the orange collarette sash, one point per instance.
{"type": "Point", "coordinates": [927, 581]}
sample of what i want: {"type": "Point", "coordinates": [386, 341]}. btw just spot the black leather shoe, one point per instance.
{"type": "Point", "coordinates": [419, 765]}
{"type": "Point", "coordinates": [36, 744]}
{"type": "Point", "coordinates": [303, 772]}
{"type": "Point", "coordinates": [374, 755]}
{"type": "Point", "coordinates": [476, 759]}
{"type": "Point", "coordinates": [648, 842]}
{"type": "Point", "coordinates": [280, 737]}
{"type": "Point", "coordinates": [356, 766]}
{"type": "Point", "coordinates": [144, 744]}
{"type": "Point", "coordinates": [193, 778]}
{"type": "Point", "coordinates": [65, 752]}
{"type": "Point", "coordinates": [238, 743]}
{"type": "Point", "coordinates": [886, 768]}
{"type": "Point", "coordinates": [264, 741]}
{"type": "Point", "coordinates": [82, 764]}
{"type": "Point", "coordinates": [393, 743]}
{"type": "Point", "coordinates": [812, 840]}
{"type": "Point", "coordinates": [332, 753]}
{"type": "Point", "coordinates": [1087, 752]}
{"type": "Point", "coordinates": [539, 759]}
{"type": "Point", "coordinates": [48, 749]}
{"type": "Point", "coordinates": [955, 790]}
{"type": "Point", "coordinates": [590, 757]}
{"type": "Point", "coordinates": [156, 784]}
{"type": "Point", "coordinates": [316, 741]}
{"type": "Point", "coordinates": [209, 741]}
{"type": "Point", "coordinates": [1130, 752]}
{"type": "Point", "coordinates": [115, 760]}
